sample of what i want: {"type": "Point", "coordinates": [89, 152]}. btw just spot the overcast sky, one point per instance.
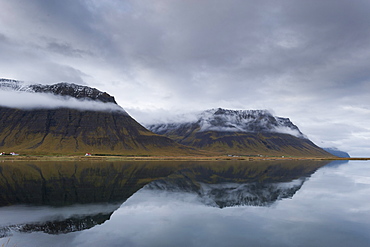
{"type": "Point", "coordinates": [308, 60]}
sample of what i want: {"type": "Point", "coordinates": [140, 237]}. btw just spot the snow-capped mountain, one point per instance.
{"type": "Point", "coordinates": [247, 132]}
{"type": "Point", "coordinates": [222, 120]}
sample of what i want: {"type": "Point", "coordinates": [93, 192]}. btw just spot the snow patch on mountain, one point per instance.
{"type": "Point", "coordinates": [14, 85]}
{"type": "Point", "coordinates": [22, 95]}
{"type": "Point", "coordinates": [222, 120]}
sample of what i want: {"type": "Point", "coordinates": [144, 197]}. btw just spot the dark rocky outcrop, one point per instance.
{"type": "Point", "coordinates": [75, 91]}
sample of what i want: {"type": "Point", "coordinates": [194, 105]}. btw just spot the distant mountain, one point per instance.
{"type": "Point", "coordinates": [94, 123]}
{"type": "Point", "coordinates": [241, 132]}
{"type": "Point", "coordinates": [337, 152]}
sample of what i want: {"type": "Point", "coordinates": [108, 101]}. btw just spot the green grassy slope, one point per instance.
{"type": "Point", "coordinates": [68, 131]}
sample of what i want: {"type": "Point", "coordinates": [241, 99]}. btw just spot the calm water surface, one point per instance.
{"type": "Point", "coordinates": [272, 203]}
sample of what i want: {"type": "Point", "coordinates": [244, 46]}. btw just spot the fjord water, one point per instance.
{"type": "Point", "coordinates": [229, 203]}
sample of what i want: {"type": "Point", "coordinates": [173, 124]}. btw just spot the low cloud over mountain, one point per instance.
{"type": "Point", "coordinates": [20, 95]}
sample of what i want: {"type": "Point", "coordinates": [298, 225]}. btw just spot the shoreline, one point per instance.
{"type": "Point", "coordinates": [158, 158]}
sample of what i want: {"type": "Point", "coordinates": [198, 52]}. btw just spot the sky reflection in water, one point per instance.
{"type": "Point", "coordinates": [332, 208]}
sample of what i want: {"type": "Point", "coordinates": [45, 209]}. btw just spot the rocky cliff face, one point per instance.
{"type": "Point", "coordinates": [249, 132]}
{"type": "Point", "coordinates": [67, 128]}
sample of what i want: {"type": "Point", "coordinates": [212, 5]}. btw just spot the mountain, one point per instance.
{"type": "Point", "coordinates": [67, 118]}
{"type": "Point", "coordinates": [241, 132]}
{"type": "Point", "coordinates": [337, 152]}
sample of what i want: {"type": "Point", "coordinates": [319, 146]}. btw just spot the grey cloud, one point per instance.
{"type": "Point", "coordinates": [297, 57]}
{"type": "Point", "coordinates": [30, 101]}
{"type": "Point", "coordinates": [3, 38]}
{"type": "Point", "coordinates": [35, 67]}
{"type": "Point", "coordinates": [66, 49]}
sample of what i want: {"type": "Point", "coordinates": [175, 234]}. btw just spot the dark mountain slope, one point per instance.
{"type": "Point", "coordinates": [68, 130]}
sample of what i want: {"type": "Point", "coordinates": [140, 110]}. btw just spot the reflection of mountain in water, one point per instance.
{"type": "Point", "coordinates": [259, 184]}
{"type": "Point", "coordinates": [66, 183]}
{"type": "Point", "coordinates": [234, 194]}
{"type": "Point", "coordinates": [59, 224]}
{"type": "Point", "coordinates": [67, 225]}
{"type": "Point", "coordinates": [253, 194]}
{"type": "Point", "coordinates": [60, 184]}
